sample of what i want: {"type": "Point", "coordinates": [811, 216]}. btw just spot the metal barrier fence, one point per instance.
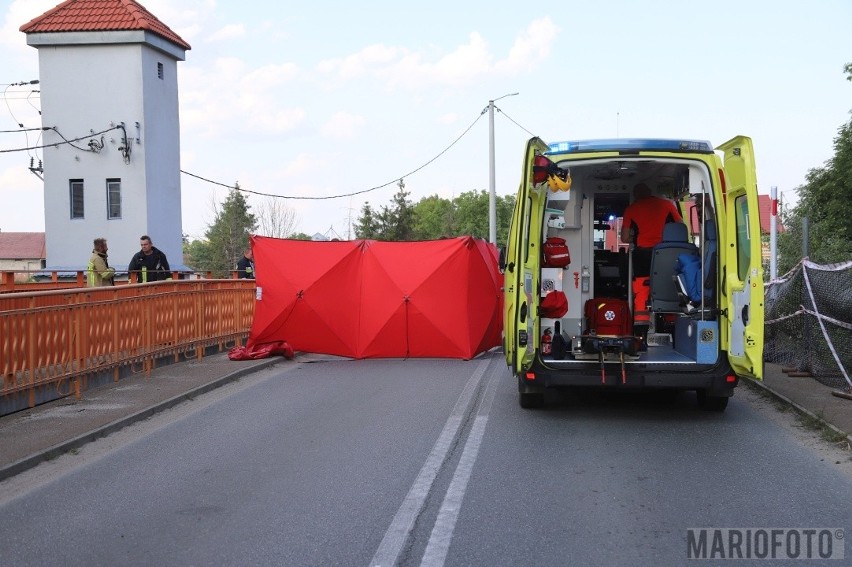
{"type": "Point", "coordinates": [56, 340]}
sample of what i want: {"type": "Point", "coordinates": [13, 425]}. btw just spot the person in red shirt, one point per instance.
{"type": "Point", "coordinates": [642, 225]}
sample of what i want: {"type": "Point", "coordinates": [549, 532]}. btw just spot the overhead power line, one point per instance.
{"type": "Point", "coordinates": [19, 130]}
{"type": "Point", "coordinates": [515, 123]}
{"type": "Point", "coordinates": [395, 180]}
{"type": "Point", "coordinates": [19, 95]}
{"type": "Point", "coordinates": [20, 83]}
{"type": "Point", "coordinates": [65, 140]}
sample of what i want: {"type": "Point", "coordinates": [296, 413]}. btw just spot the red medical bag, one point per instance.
{"type": "Point", "coordinates": [554, 305]}
{"type": "Point", "coordinates": [607, 316]}
{"type": "Point", "coordinates": [556, 254]}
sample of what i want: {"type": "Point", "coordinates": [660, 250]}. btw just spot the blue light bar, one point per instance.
{"type": "Point", "coordinates": [631, 145]}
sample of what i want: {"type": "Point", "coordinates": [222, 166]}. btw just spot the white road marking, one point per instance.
{"type": "Point", "coordinates": [403, 522]}
{"type": "Point", "coordinates": [442, 531]}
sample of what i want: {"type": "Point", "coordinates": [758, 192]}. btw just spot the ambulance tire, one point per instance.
{"type": "Point", "coordinates": [531, 400]}
{"type": "Point", "coordinates": [711, 403]}
{"type": "Point", "coordinates": [530, 396]}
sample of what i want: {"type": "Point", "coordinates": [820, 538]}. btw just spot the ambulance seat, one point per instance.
{"type": "Point", "coordinates": [665, 296]}
{"type": "Point", "coordinates": [711, 250]}
{"type": "Point", "coordinates": [692, 293]}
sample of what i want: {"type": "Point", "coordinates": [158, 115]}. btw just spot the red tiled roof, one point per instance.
{"type": "Point", "coordinates": [101, 15]}
{"type": "Point", "coordinates": [764, 203]}
{"type": "Point", "coordinates": [22, 246]}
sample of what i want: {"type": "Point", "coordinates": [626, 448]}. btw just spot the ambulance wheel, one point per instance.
{"type": "Point", "coordinates": [531, 400]}
{"type": "Point", "coordinates": [711, 403]}
{"type": "Point", "coordinates": [530, 396]}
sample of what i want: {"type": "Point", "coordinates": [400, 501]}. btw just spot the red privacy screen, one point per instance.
{"type": "Point", "coordinates": [372, 299]}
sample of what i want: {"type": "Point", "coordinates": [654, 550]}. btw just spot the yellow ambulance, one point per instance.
{"type": "Point", "coordinates": [582, 308]}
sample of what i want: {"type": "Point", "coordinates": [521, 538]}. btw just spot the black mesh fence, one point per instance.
{"type": "Point", "coordinates": [809, 321]}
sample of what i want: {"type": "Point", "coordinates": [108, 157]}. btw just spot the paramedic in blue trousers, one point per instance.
{"type": "Point", "coordinates": [642, 225]}
{"type": "Point", "coordinates": [245, 267]}
{"type": "Point", "coordinates": [149, 264]}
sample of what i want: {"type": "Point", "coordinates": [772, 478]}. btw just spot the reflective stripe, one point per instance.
{"type": "Point", "coordinates": [641, 291]}
{"type": "Point", "coordinates": [90, 274]}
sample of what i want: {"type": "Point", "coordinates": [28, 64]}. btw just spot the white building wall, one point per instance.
{"type": "Point", "coordinates": [161, 143]}
{"type": "Point", "coordinates": [87, 88]}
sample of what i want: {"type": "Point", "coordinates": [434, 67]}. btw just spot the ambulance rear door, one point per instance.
{"type": "Point", "coordinates": [742, 260]}
{"type": "Point", "coordinates": [519, 278]}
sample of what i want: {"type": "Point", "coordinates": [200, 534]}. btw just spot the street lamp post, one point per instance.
{"type": "Point", "coordinates": [492, 196]}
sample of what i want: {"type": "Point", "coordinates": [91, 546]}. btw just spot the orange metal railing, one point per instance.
{"type": "Point", "coordinates": [41, 280]}
{"type": "Point", "coordinates": [56, 339]}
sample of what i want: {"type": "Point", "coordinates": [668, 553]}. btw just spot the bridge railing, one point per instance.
{"type": "Point", "coordinates": [51, 342]}
{"type": "Point", "coordinates": [38, 280]}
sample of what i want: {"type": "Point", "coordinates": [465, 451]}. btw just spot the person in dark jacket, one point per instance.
{"type": "Point", "coordinates": [245, 267]}
{"type": "Point", "coordinates": [149, 264]}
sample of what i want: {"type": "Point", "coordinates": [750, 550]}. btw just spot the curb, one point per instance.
{"type": "Point", "coordinates": [754, 384]}
{"type": "Point", "coordinates": [57, 450]}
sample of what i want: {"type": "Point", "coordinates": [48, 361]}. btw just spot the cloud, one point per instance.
{"type": "Point", "coordinates": [23, 193]}
{"type": "Point", "coordinates": [276, 121]}
{"type": "Point", "coordinates": [270, 76]}
{"type": "Point", "coordinates": [463, 66]}
{"type": "Point", "coordinates": [19, 13]}
{"type": "Point", "coordinates": [466, 64]}
{"type": "Point", "coordinates": [359, 64]}
{"type": "Point", "coordinates": [304, 163]}
{"type": "Point", "coordinates": [186, 18]}
{"type": "Point", "coordinates": [449, 118]}
{"type": "Point", "coordinates": [231, 31]}
{"type": "Point", "coordinates": [343, 125]}
{"type": "Point", "coordinates": [230, 97]}
{"type": "Point", "coordinates": [530, 47]}
{"type": "Point", "coordinates": [274, 31]}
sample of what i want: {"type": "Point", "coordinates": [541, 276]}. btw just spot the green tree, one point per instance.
{"type": "Point", "coordinates": [196, 255]}
{"type": "Point", "coordinates": [823, 200]}
{"type": "Point", "coordinates": [433, 218]}
{"type": "Point", "coordinates": [472, 214]}
{"type": "Point", "coordinates": [396, 222]}
{"type": "Point", "coordinates": [367, 225]}
{"type": "Point", "coordinates": [299, 236]}
{"type": "Point", "coordinates": [229, 234]}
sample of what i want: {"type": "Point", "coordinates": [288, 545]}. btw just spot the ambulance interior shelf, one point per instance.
{"type": "Point", "coordinates": [610, 274]}
{"type": "Point", "coordinates": [551, 282]}
{"type": "Point", "coordinates": [562, 206]}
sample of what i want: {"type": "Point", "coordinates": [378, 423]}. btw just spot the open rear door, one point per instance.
{"type": "Point", "coordinates": [518, 278]}
{"type": "Point", "coordinates": [743, 262]}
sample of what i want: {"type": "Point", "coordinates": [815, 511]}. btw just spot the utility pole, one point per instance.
{"type": "Point", "coordinates": [773, 234]}
{"type": "Point", "coordinates": [492, 195]}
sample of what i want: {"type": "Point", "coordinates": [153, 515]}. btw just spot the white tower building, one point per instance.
{"type": "Point", "coordinates": [109, 100]}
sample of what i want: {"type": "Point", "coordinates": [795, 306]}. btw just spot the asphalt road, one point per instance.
{"type": "Point", "coordinates": [418, 462]}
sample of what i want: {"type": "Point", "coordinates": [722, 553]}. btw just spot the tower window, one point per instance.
{"type": "Point", "coordinates": [113, 187]}
{"type": "Point", "coordinates": [76, 198]}
{"type": "Point", "coordinates": [160, 71]}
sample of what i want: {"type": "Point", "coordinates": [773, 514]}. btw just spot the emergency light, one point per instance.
{"type": "Point", "coordinates": [630, 145]}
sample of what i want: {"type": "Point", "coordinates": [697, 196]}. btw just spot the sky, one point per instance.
{"type": "Point", "coordinates": [312, 102]}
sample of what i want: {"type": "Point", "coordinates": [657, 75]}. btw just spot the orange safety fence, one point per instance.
{"type": "Point", "coordinates": [59, 338]}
